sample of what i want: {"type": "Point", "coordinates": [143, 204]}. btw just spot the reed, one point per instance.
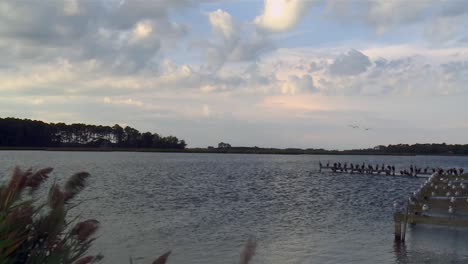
{"type": "Point", "coordinates": [40, 233]}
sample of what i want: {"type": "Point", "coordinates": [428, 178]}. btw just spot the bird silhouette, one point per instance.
{"type": "Point", "coordinates": [353, 126]}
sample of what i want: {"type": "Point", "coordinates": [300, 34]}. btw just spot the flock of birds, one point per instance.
{"type": "Point", "coordinates": [358, 127]}
{"type": "Point", "coordinates": [383, 168]}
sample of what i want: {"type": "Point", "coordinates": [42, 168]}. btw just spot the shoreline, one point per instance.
{"type": "Point", "coordinates": [221, 151]}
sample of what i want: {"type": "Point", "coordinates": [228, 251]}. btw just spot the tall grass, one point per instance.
{"type": "Point", "coordinates": [40, 233]}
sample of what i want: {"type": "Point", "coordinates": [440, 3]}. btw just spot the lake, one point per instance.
{"type": "Point", "coordinates": [205, 206]}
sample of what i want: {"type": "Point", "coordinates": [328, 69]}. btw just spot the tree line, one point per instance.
{"type": "Point", "coordinates": [434, 149]}
{"type": "Point", "coordinates": [15, 132]}
{"type": "Point", "coordinates": [397, 149]}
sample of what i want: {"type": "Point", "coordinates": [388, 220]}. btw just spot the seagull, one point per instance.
{"type": "Point", "coordinates": [354, 126]}
{"type": "Point", "coordinates": [367, 128]}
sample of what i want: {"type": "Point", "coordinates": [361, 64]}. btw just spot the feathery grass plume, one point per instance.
{"type": "Point", "coordinates": [56, 196]}
{"type": "Point", "coordinates": [30, 234]}
{"type": "Point", "coordinates": [83, 230]}
{"type": "Point", "coordinates": [38, 178]}
{"type": "Point", "coordinates": [248, 252]}
{"type": "Point", "coordinates": [75, 184]}
{"type": "Point", "coordinates": [13, 188]}
{"type": "Point", "coordinates": [89, 259]}
{"type": "Point", "coordinates": [162, 259]}
{"type": "Point", "coordinates": [85, 260]}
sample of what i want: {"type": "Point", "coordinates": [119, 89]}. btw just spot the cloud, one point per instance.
{"type": "Point", "coordinates": [228, 45]}
{"type": "Point", "coordinates": [445, 29]}
{"type": "Point", "coordinates": [441, 21]}
{"type": "Point", "coordinates": [174, 64]}
{"type": "Point", "coordinates": [223, 24]}
{"type": "Point", "coordinates": [296, 84]}
{"type": "Point", "coordinates": [377, 71]}
{"type": "Point", "coordinates": [125, 37]}
{"type": "Point", "coordinates": [206, 110]}
{"type": "Point", "coordinates": [352, 63]}
{"type": "Point", "coordinates": [384, 14]}
{"type": "Point", "coordinates": [282, 15]}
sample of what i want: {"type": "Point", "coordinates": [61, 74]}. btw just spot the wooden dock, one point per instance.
{"type": "Point", "coordinates": [372, 171]}
{"type": "Point", "coordinates": [441, 200]}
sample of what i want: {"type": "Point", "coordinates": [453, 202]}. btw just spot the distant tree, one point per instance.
{"type": "Point", "coordinates": [182, 144]}
{"type": "Point", "coordinates": [223, 145]}
{"type": "Point", "coordinates": [146, 140]}
{"type": "Point", "coordinates": [119, 134]}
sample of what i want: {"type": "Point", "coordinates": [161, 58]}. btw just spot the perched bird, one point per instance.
{"type": "Point", "coordinates": [451, 210]}
{"type": "Point", "coordinates": [425, 207]}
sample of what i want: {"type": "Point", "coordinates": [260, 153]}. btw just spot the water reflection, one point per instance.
{"type": "Point", "coordinates": [401, 254]}
{"type": "Point", "coordinates": [433, 244]}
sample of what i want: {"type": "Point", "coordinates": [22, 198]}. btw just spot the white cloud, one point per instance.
{"type": "Point", "coordinates": [228, 45]}
{"type": "Point", "coordinates": [142, 29]}
{"type": "Point", "coordinates": [126, 37]}
{"type": "Point", "coordinates": [282, 15]}
{"type": "Point", "coordinates": [384, 70]}
{"type": "Point", "coordinates": [71, 7]}
{"type": "Point", "coordinates": [298, 84]}
{"type": "Point", "coordinates": [223, 23]}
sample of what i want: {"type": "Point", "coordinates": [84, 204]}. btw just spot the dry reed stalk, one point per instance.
{"type": "Point", "coordinates": [248, 252]}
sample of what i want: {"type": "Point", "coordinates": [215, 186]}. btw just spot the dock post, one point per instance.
{"type": "Point", "coordinates": [397, 217]}
{"type": "Point", "coordinates": [398, 231]}
{"type": "Point", "coordinates": [405, 223]}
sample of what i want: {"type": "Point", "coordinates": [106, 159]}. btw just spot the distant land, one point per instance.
{"type": "Point", "coordinates": [26, 134]}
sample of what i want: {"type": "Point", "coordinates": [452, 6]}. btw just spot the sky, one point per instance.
{"type": "Point", "coordinates": [274, 73]}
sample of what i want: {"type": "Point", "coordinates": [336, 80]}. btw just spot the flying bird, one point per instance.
{"type": "Point", "coordinates": [367, 128]}
{"type": "Point", "coordinates": [353, 126]}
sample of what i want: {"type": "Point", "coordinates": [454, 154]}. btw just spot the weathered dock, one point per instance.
{"type": "Point", "coordinates": [441, 200]}
{"type": "Point", "coordinates": [367, 169]}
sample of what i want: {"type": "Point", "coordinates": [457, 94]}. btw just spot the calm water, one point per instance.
{"type": "Point", "coordinates": [204, 207]}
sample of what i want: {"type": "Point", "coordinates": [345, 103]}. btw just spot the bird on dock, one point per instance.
{"type": "Point", "coordinates": [451, 210]}
{"type": "Point", "coordinates": [425, 207]}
